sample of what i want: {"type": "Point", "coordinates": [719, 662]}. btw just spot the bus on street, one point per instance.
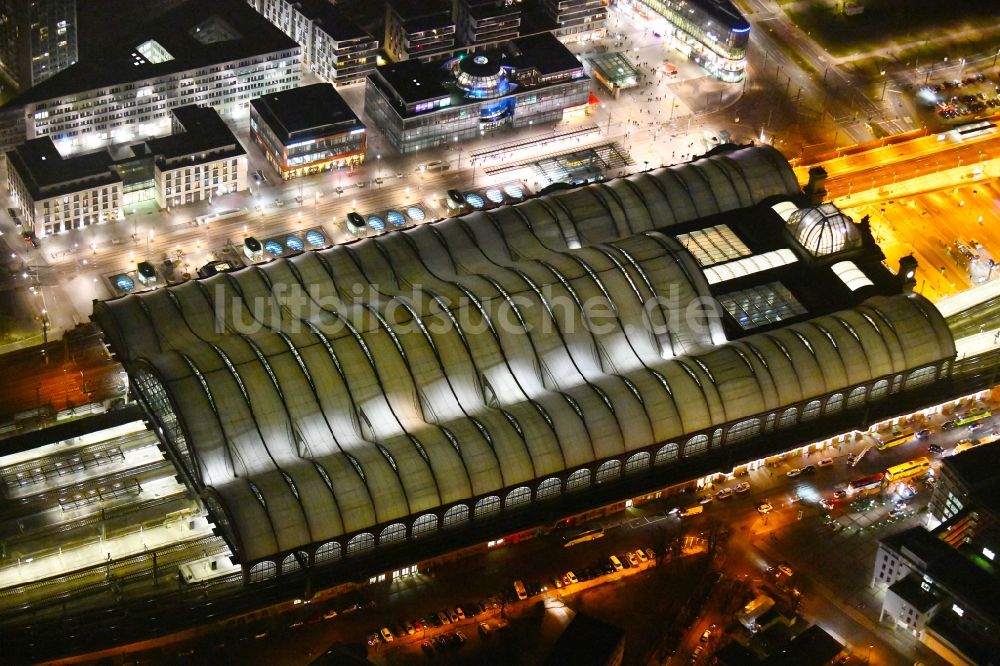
{"type": "Point", "coordinates": [973, 415]}
{"type": "Point", "coordinates": [892, 440]}
{"type": "Point", "coordinates": [907, 470]}
{"type": "Point", "coordinates": [866, 484]}
{"type": "Point", "coordinates": [582, 535]}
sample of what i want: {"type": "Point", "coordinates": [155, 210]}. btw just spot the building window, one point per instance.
{"type": "Point", "coordinates": [392, 534]}
{"type": "Point", "coordinates": [425, 524]}
{"type": "Point", "coordinates": [920, 376]}
{"type": "Point", "coordinates": [696, 446]}
{"type": "Point", "coordinates": [743, 430]}
{"type": "Point", "coordinates": [880, 388]}
{"type": "Point", "coordinates": [637, 463]}
{"type": "Point", "coordinates": [549, 488]}
{"type": "Point", "coordinates": [362, 543]}
{"type": "Point", "coordinates": [328, 552]}
{"type": "Point", "coordinates": [293, 562]}
{"type": "Point", "coordinates": [517, 497]}
{"type": "Point", "coordinates": [834, 404]}
{"type": "Point", "coordinates": [789, 417]}
{"type": "Point", "coordinates": [608, 471]}
{"type": "Point", "coordinates": [667, 453]}
{"type": "Point", "coordinates": [487, 506]}
{"type": "Point", "coordinates": [263, 571]}
{"type": "Point", "coordinates": [456, 515]}
{"type": "Point", "coordinates": [578, 480]}
{"type": "Point", "coordinates": [856, 397]}
{"type": "Point", "coordinates": [811, 410]}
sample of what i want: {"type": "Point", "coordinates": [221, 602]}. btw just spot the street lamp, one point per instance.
{"type": "Point", "coordinates": [885, 82]}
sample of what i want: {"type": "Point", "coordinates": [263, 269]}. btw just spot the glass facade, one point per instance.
{"type": "Point", "coordinates": [711, 33]}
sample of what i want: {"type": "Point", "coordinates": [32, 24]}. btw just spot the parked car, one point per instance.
{"type": "Point", "coordinates": [742, 487]}
{"type": "Point", "coordinates": [707, 634]}
{"type": "Point", "coordinates": [569, 578]}
{"type": "Point", "coordinates": [410, 629]}
{"type": "Point", "coordinates": [792, 473]}
{"type": "Point", "coordinates": [808, 469]}
{"type": "Point", "coordinates": [455, 199]}
{"type": "Point", "coordinates": [948, 425]}
{"type": "Point", "coordinates": [704, 499]}
{"type": "Point", "coordinates": [724, 493]}
{"type": "Point", "coordinates": [387, 635]}
{"type": "Point", "coordinates": [460, 612]}
{"type": "Point", "coordinates": [642, 556]}
{"type": "Point", "coordinates": [825, 462]}
{"type": "Point", "coordinates": [443, 617]}
{"type": "Point", "coordinates": [557, 582]}
{"type": "Point", "coordinates": [484, 630]}
{"type": "Point", "coordinates": [924, 433]}
{"type": "Point", "coordinates": [434, 619]}
{"type": "Point", "coordinates": [934, 448]}
{"type": "Point", "coordinates": [632, 559]}
{"type": "Point", "coordinates": [764, 507]}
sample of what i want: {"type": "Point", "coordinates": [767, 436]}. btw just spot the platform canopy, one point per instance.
{"type": "Point", "coordinates": [394, 379]}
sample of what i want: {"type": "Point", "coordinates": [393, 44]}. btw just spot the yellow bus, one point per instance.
{"type": "Point", "coordinates": [907, 470]}
{"type": "Point", "coordinates": [893, 440]}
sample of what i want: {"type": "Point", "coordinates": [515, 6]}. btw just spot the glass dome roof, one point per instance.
{"type": "Point", "coordinates": [482, 76]}
{"type": "Point", "coordinates": [823, 229]}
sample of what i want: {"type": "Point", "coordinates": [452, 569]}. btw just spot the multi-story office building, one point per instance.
{"type": "Point", "coordinates": [484, 21]}
{"type": "Point", "coordinates": [199, 160]}
{"type": "Point", "coordinates": [578, 20]}
{"type": "Point", "coordinates": [712, 33]}
{"type": "Point", "coordinates": [37, 39]}
{"type": "Point", "coordinates": [55, 194]}
{"type": "Point", "coordinates": [221, 53]}
{"type": "Point", "coordinates": [418, 28]}
{"type": "Point", "coordinates": [333, 46]}
{"type": "Point", "coordinates": [307, 130]}
{"type": "Point", "coordinates": [529, 80]}
{"type": "Point", "coordinates": [943, 588]}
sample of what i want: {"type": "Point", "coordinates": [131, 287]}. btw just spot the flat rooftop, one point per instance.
{"type": "Point", "coordinates": [192, 36]}
{"type": "Point", "coordinates": [543, 51]}
{"type": "Point", "coordinates": [331, 19]}
{"type": "Point", "coordinates": [203, 131]}
{"type": "Point", "coordinates": [41, 167]}
{"type": "Point", "coordinates": [416, 81]}
{"type": "Point", "coordinates": [308, 112]}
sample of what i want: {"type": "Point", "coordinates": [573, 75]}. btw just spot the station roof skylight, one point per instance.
{"type": "Point", "coordinates": [750, 265]}
{"type": "Point", "coordinates": [713, 245]}
{"type": "Point", "coordinates": [762, 305]}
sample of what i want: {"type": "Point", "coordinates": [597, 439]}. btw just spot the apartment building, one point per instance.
{"type": "Point", "coordinates": [222, 54]}
{"type": "Point", "coordinates": [418, 28]}
{"type": "Point", "coordinates": [37, 39]}
{"type": "Point", "coordinates": [201, 159]}
{"type": "Point", "coordinates": [578, 20]}
{"type": "Point", "coordinates": [483, 21]}
{"type": "Point", "coordinates": [333, 46]}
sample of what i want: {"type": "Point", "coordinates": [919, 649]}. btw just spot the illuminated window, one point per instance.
{"type": "Point", "coordinates": [328, 552]}
{"type": "Point", "coordinates": [667, 453]}
{"type": "Point", "coordinates": [714, 245]}
{"type": "Point", "coordinates": [361, 543]}
{"type": "Point", "coordinates": [517, 497]}
{"type": "Point", "coordinates": [549, 488]}
{"type": "Point", "coordinates": [608, 471]}
{"type": "Point", "coordinates": [424, 525]}
{"type": "Point", "coordinates": [761, 305]}
{"type": "Point", "coordinates": [392, 534]}
{"type": "Point", "coordinates": [456, 515]}
{"type": "Point", "coordinates": [487, 506]}
{"type": "Point", "coordinates": [578, 480]}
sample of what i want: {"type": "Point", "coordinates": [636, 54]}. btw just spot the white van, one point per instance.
{"type": "Point", "coordinates": [616, 563]}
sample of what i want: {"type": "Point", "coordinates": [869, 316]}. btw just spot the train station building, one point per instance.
{"type": "Point", "coordinates": [566, 352]}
